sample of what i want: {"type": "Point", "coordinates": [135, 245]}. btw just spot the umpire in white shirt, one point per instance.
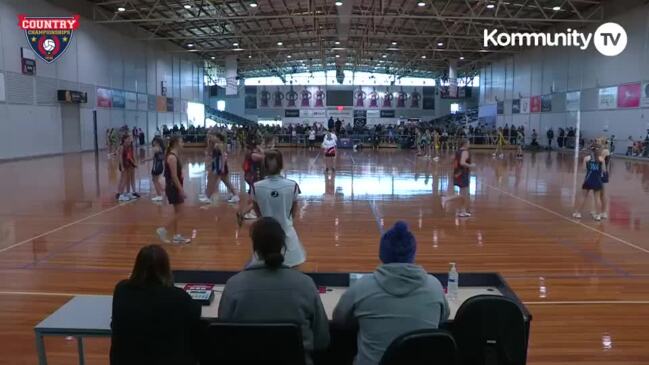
{"type": "Point", "coordinates": [276, 196]}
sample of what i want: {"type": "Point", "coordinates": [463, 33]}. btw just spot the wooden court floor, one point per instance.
{"type": "Point", "coordinates": [586, 283]}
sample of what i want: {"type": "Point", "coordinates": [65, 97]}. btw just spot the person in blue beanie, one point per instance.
{"type": "Point", "coordinates": [397, 298]}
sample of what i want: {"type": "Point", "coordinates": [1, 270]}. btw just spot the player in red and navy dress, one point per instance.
{"type": "Point", "coordinates": [461, 170]}
{"type": "Point", "coordinates": [174, 190]}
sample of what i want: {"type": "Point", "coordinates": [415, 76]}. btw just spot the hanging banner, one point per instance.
{"type": "Point", "coordinates": [525, 105]}
{"type": "Point", "coordinates": [104, 99]}
{"type": "Point", "coordinates": [607, 98]}
{"type": "Point", "coordinates": [516, 106]}
{"type": "Point", "coordinates": [231, 75]}
{"type": "Point", "coordinates": [131, 100]}
{"type": "Point", "coordinates": [161, 103]}
{"type": "Point", "coordinates": [2, 87]}
{"type": "Point", "coordinates": [628, 95]}
{"type": "Point", "coordinates": [644, 99]}
{"type": "Point", "coordinates": [573, 101]}
{"type": "Point", "coordinates": [428, 94]}
{"type": "Point", "coordinates": [546, 103]}
{"type": "Point", "coordinates": [500, 107]}
{"type": "Point", "coordinates": [142, 101]}
{"type": "Point", "coordinates": [251, 97]}
{"type": "Point", "coordinates": [535, 104]}
{"type": "Point", "coordinates": [118, 98]}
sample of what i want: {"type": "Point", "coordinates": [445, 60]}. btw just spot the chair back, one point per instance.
{"type": "Point", "coordinates": [422, 347]}
{"type": "Point", "coordinates": [254, 343]}
{"type": "Point", "coordinates": [490, 330]}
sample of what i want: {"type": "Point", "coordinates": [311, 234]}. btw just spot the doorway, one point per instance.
{"type": "Point", "coordinates": [71, 127]}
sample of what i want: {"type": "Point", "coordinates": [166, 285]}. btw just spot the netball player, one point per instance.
{"type": "Point", "coordinates": [436, 144]}
{"type": "Point", "coordinates": [500, 142]}
{"type": "Point", "coordinates": [520, 141]}
{"type": "Point", "coordinates": [157, 167]}
{"type": "Point", "coordinates": [605, 155]}
{"type": "Point", "coordinates": [174, 190]}
{"type": "Point", "coordinates": [276, 197]}
{"type": "Point", "coordinates": [418, 141]}
{"type": "Point", "coordinates": [595, 165]}
{"type": "Point", "coordinates": [252, 172]}
{"type": "Point", "coordinates": [461, 169]}
{"type": "Point", "coordinates": [218, 169]}
{"type": "Point", "coordinates": [329, 149]}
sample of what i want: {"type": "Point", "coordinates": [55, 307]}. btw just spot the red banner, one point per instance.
{"type": "Point", "coordinates": [104, 98]}
{"type": "Point", "coordinates": [628, 96]}
{"type": "Point", "coordinates": [535, 104]}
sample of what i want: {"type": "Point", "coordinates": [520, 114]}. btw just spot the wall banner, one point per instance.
{"type": "Point", "coordinates": [607, 98]}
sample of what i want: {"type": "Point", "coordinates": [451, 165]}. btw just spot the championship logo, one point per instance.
{"type": "Point", "coordinates": [48, 37]}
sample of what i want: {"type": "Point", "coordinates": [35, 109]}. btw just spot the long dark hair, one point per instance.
{"type": "Point", "coordinates": [268, 241]}
{"type": "Point", "coordinates": [152, 267]}
{"type": "Point", "coordinates": [173, 143]}
{"type": "Point", "coordinates": [273, 162]}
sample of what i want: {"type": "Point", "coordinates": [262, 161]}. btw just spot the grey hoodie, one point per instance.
{"type": "Point", "coordinates": [395, 299]}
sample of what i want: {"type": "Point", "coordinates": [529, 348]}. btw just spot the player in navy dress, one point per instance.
{"type": "Point", "coordinates": [595, 165]}
{"type": "Point", "coordinates": [173, 173]}
{"type": "Point", "coordinates": [218, 169]}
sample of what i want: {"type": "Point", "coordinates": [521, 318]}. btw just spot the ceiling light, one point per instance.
{"type": "Point", "coordinates": [187, 6]}
{"type": "Point", "coordinates": [253, 4]}
{"type": "Point", "coordinates": [556, 8]}
{"type": "Point", "coordinates": [394, 43]}
{"type": "Point", "coordinates": [190, 45]}
{"type": "Point", "coordinates": [213, 57]}
{"type": "Point", "coordinates": [421, 3]}
{"type": "Point", "coordinates": [461, 57]}
{"type": "Point", "coordinates": [336, 42]}
{"type": "Point", "coordinates": [439, 44]}
{"type": "Point", "coordinates": [337, 56]}
{"type": "Point", "coordinates": [339, 3]}
{"type": "Point", "coordinates": [121, 9]}
{"type": "Point", "coordinates": [235, 44]}
{"type": "Point", "coordinates": [490, 6]}
{"type": "Point", "coordinates": [385, 56]}
{"type": "Point", "coordinates": [280, 43]}
{"type": "Point", "coordinates": [423, 57]}
{"type": "Point", "coordinates": [289, 56]}
{"type": "Point", "coordinates": [249, 56]}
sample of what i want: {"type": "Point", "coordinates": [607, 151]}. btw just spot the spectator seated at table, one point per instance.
{"type": "Point", "coordinates": [397, 298]}
{"type": "Point", "coordinates": [272, 292]}
{"type": "Point", "coordinates": [153, 322]}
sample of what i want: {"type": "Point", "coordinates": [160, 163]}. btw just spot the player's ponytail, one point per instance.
{"type": "Point", "coordinates": [268, 241]}
{"type": "Point", "coordinates": [174, 141]}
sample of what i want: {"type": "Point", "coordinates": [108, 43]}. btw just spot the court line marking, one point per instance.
{"type": "Point", "coordinates": [66, 226]}
{"type": "Point", "coordinates": [615, 238]}
{"type": "Point", "coordinates": [376, 215]}
{"type": "Point", "coordinates": [568, 302]}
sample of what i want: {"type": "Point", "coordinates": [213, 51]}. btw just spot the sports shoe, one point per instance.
{"type": "Point", "coordinates": [576, 215]}
{"type": "Point", "coordinates": [604, 215]}
{"type": "Point", "coordinates": [436, 158]}
{"type": "Point", "coordinates": [124, 198]}
{"type": "Point", "coordinates": [162, 234]}
{"type": "Point", "coordinates": [597, 217]}
{"type": "Point", "coordinates": [135, 195]}
{"type": "Point", "coordinates": [233, 199]}
{"type": "Point", "coordinates": [250, 215]}
{"type": "Point", "coordinates": [157, 198]}
{"type": "Point", "coordinates": [464, 214]}
{"type": "Point", "coordinates": [205, 200]}
{"type": "Point", "coordinates": [181, 240]}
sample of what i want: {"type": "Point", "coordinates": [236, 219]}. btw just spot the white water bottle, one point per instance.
{"type": "Point", "coordinates": [453, 282]}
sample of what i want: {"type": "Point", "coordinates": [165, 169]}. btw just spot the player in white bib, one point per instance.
{"type": "Point", "coordinates": [276, 196]}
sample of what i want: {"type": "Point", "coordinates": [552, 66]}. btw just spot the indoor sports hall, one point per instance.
{"type": "Point", "coordinates": [318, 182]}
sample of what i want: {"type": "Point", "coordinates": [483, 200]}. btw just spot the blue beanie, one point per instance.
{"type": "Point", "coordinates": [398, 245]}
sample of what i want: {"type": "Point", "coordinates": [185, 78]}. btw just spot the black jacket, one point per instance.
{"type": "Point", "coordinates": [153, 326]}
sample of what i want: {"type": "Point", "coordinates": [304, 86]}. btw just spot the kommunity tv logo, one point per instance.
{"type": "Point", "coordinates": [609, 39]}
